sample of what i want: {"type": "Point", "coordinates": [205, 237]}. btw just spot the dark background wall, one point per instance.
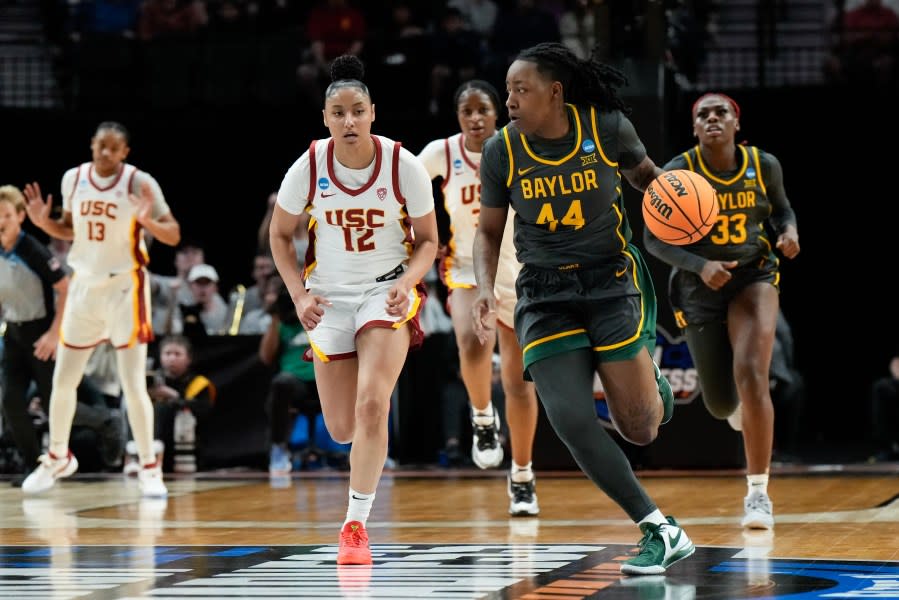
{"type": "Point", "coordinates": [217, 167]}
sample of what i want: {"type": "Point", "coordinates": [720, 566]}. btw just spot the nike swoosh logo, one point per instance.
{"type": "Point", "coordinates": [324, 195]}
{"type": "Point", "coordinates": [621, 272]}
{"type": "Point", "coordinates": [355, 497]}
{"type": "Point", "coordinates": [525, 171]}
{"type": "Point", "coordinates": [672, 541]}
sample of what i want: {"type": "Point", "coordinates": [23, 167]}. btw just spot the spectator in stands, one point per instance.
{"type": "Point", "coordinates": [479, 15]}
{"type": "Point", "coordinates": [293, 386]}
{"type": "Point", "coordinates": [334, 27]}
{"type": "Point", "coordinates": [246, 300]}
{"type": "Point", "coordinates": [256, 321]}
{"type": "Point", "coordinates": [160, 18]}
{"type": "Point", "coordinates": [300, 236]}
{"type": "Point", "coordinates": [885, 412]}
{"type": "Point", "coordinates": [106, 17]}
{"type": "Point", "coordinates": [866, 53]}
{"type": "Point", "coordinates": [167, 292]}
{"type": "Point", "coordinates": [207, 314]}
{"type": "Point", "coordinates": [521, 26]}
{"type": "Point", "coordinates": [455, 56]}
{"type": "Point", "coordinates": [33, 290]}
{"type": "Point", "coordinates": [179, 388]}
{"type": "Point", "coordinates": [577, 26]}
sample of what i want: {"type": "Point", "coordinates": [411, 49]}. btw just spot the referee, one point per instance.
{"type": "Point", "coordinates": [29, 274]}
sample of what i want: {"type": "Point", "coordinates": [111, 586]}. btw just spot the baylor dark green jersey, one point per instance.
{"type": "Point", "coordinates": [567, 196]}
{"type": "Point", "coordinates": [739, 231]}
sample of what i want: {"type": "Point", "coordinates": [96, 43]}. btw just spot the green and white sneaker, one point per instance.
{"type": "Point", "coordinates": [666, 394]}
{"type": "Point", "coordinates": [661, 547]}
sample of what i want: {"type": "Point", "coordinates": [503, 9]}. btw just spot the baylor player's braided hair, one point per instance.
{"type": "Point", "coordinates": [583, 81]}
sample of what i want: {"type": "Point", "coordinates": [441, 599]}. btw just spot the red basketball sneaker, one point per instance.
{"type": "Point", "coordinates": [354, 548]}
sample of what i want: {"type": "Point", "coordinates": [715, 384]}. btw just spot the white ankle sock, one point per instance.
{"type": "Point", "coordinates": [359, 506]}
{"type": "Point", "coordinates": [758, 483]}
{"type": "Point", "coordinates": [521, 474]}
{"type": "Point", "coordinates": [483, 417]}
{"type": "Point", "coordinates": [655, 517]}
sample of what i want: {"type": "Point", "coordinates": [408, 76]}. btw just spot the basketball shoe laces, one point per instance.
{"type": "Point", "coordinates": [758, 502]}
{"type": "Point", "coordinates": [521, 492]}
{"type": "Point", "coordinates": [486, 435]}
{"type": "Point", "coordinates": [354, 537]}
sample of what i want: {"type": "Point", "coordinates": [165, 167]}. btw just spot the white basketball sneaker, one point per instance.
{"type": "Point", "coordinates": [759, 513]}
{"type": "Point", "coordinates": [48, 471]}
{"type": "Point", "coordinates": [150, 481]}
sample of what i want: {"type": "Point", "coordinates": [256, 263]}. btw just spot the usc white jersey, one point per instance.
{"type": "Point", "coordinates": [460, 169]}
{"type": "Point", "coordinates": [108, 239]}
{"type": "Point", "coordinates": [360, 230]}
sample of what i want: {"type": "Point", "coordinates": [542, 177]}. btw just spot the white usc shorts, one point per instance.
{"type": "Point", "coordinates": [355, 309]}
{"type": "Point", "coordinates": [111, 307]}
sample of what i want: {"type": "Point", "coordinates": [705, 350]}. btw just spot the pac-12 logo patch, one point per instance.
{"type": "Point", "coordinates": [323, 183]}
{"type": "Point", "coordinates": [382, 193]}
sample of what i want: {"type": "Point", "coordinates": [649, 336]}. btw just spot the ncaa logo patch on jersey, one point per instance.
{"type": "Point", "coordinates": [457, 166]}
{"type": "Point", "coordinates": [323, 183]}
{"type": "Point", "coordinates": [588, 146]}
{"type": "Point", "coordinates": [750, 173]}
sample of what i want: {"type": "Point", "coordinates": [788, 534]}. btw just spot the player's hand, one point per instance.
{"type": "Point", "coordinates": [483, 313]}
{"type": "Point", "coordinates": [143, 203]}
{"type": "Point", "coordinates": [716, 273]}
{"type": "Point", "coordinates": [788, 242]}
{"type": "Point", "coordinates": [38, 210]}
{"type": "Point", "coordinates": [45, 346]}
{"type": "Point", "coordinates": [398, 299]}
{"type": "Point", "coordinates": [310, 310]}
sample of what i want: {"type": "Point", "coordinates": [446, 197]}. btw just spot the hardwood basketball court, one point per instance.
{"type": "Point", "coordinates": [446, 534]}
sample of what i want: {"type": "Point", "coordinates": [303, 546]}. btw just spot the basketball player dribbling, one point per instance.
{"type": "Point", "coordinates": [373, 238]}
{"type": "Point", "coordinates": [456, 160]}
{"type": "Point", "coordinates": [724, 287]}
{"type": "Point", "coordinates": [106, 206]}
{"type": "Point", "coordinates": [585, 297]}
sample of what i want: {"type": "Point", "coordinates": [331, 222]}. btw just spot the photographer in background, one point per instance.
{"type": "Point", "coordinates": [180, 394]}
{"type": "Point", "coordinates": [293, 385]}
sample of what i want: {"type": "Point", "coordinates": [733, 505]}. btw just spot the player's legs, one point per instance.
{"type": "Point", "coordinates": [521, 399]}
{"type": "Point", "coordinates": [712, 356]}
{"type": "Point", "coordinates": [565, 386]}
{"type": "Point", "coordinates": [521, 415]}
{"type": "Point", "coordinates": [474, 357]}
{"type": "Point", "coordinates": [476, 367]}
{"type": "Point", "coordinates": [632, 393]}
{"type": "Point", "coordinates": [752, 323]}
{"type": "Point", "coordinates": [59, 462]}
{"type": "Point", "coordinates": [382, 353]}
{"type": "Point", "coordinates": [70, 365]}
{"type": "Point", "coordinates": [132, 367]}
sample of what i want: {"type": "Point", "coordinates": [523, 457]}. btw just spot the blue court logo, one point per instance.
{"type": "Point", "coordinates": [323, 183]}
{"type": "Point", "coordinates": [588, 146]}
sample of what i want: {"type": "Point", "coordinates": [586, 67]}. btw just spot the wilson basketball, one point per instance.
{"type": "Point", "coordinates": [680, 207]}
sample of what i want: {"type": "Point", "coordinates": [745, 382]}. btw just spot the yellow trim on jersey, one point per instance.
{"type": "Point", "coordinates": [552, 337]}
{"type": "Point", "coordinates": [511, 156]}
{"type": "Point", "coordinates": [309, 268]}
{"type": "Point", "coordinates": [595, 128]}
{"type": "Point", "coordinates": [758, 168]}
{"type": "Point", "coordinates": [577, 143]}
{"type": "Point", "coordinates": [689, 161]}
{"type": "Point", "coordinates": [411, 312]}
{"type": "Point", "coordinates": [642, 310]}
{"type": "Point", "coordinates": [708, 173]}
{"type": "Point", "coordinates": [318, 352]}
{"type": "Point", "coordinates": [135, 306]}
{"type": "Point", "coordinates": [620, 220]}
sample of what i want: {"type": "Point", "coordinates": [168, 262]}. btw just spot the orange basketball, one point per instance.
{"type": "Point", "coordinates": [680, 207]}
